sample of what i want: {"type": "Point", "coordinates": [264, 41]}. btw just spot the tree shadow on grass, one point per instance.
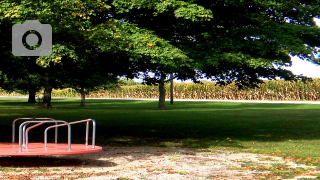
{"type": "Point", "coordinates": [131, 141]}
{"type": "Point", "coordinates": [190, 124]}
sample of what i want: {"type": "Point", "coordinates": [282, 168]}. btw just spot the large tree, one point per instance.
{"type": "Point", "coordinates": [71, 31]}
{"type": "Point", "coordinates": [80, 36]}
{"type": "Point", "coordinates": [241, 41]}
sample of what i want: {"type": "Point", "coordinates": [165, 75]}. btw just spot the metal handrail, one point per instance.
{"type": "Point", "coordinates": [32, 119]}
{"type": "Point", "coordinates": [76, 122]}
{"type": "Point", "coordinates": [38, 124]}
{"type": "Point", "coordinates": [48, 119]}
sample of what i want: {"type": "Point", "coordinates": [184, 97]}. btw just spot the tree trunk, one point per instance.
{"type": "Point", "coordinates": [162, 93]}
{"type": "Point", "coordinates": [83, 98]}
{"type": "Point", "coordinates": [32, 96]}
{"type": "Point", "coordinates": [47, 97]}
{"type": "Point", "coordinates": [171, 89]}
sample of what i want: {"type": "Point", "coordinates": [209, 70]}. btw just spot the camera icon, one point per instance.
{"type": "Point", "coordinates": [31, 39]}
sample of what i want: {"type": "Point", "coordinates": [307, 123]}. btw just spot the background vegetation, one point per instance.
{"type": "Point", "coordinates": [270, 90]}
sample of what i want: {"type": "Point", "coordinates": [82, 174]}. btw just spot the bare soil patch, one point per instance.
{"type": "Point", "coordinates": [147, 163]}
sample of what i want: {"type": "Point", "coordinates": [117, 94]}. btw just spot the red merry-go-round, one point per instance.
{"type": "Point", "coordinates": [25, 148]}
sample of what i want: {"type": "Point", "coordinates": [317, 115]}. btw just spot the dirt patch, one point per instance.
{"type": "Point", "coordinates": [146, 163]}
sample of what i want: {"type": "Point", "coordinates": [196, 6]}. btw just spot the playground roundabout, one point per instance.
{"type": "Point", "coordinates": [36, 149]}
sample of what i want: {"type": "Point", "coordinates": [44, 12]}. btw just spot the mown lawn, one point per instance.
{"type": "Point", "coordinates": [289, 130]}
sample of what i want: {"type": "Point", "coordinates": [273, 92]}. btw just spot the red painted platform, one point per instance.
{"type": "Point", "coordinates": [38, 149]}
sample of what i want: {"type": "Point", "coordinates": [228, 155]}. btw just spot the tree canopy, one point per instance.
{"type": "Point", "coordinates": [225, 38]}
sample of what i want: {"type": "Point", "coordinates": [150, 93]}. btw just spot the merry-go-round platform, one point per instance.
{"type": "Point", "coordinates": [24, 148]}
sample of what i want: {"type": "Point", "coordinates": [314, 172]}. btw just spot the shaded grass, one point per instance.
{"type": "Point", "coordinates": [290, 130]}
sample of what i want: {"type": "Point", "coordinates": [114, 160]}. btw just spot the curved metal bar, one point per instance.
{"type": "Point", "coordinates": [14, 125]}
{"type": "Point", "coordinates": [39, 123]}
{"type": "Point", "coordinates": [27, 133]}
{"type": "Point", "coordinates": [94, 125]}
{"type": "Point", "coordinates": [87, 133]}
{"type": "Point", "coordinates": [24, 134]}
{"type": "Point", "coordinates": [76, 122]}
{"type": "Point", "coordinates": [31, 119]}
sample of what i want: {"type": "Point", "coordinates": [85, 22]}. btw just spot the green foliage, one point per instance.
{"type": "Point", "coordinates": [242, 43]}
{"type": "Point", "coordinates": [58, 51]}
{"type": "Point", "coordinates": [127, 82]}
{"type": "Point", "coordinates": [181, 9]}
{"type": "Point", "coordinates": [81, 44]}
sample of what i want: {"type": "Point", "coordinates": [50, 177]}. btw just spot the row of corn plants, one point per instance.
{"type": "Point", "coordinates": [270, 90]}
{"type": "Point", "coordinates": [5, 93]}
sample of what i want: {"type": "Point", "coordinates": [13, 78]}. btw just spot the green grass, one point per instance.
{"type": "Point", "coordinates": [289, 130]}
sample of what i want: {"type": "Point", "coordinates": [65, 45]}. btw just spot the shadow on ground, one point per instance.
{"type": "Point", "coordinates": [75, 161]}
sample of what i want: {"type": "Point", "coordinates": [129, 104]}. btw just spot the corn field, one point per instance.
{"type": "Point", "coordinates": [270, 90]}
{"type": "Point", "coordinates": [4, 93]}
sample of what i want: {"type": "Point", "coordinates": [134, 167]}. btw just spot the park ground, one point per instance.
{"type": "Point", "coordinates": [282, 139]}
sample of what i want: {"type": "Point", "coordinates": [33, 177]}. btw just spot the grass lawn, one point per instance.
{"type": "Point", "coordinates": [289, 130]}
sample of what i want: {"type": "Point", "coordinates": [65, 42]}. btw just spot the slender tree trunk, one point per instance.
{"type": "Point", "coordinates": [47, 97]}
{"type": "Point", "coordinates": [83, 97]}
{"type": "Point", "coordinates": [32, 96]}
{"type": "Point", "coordinates": [162, 93]}
{"type": "Point", "coordinates": [171, 89]}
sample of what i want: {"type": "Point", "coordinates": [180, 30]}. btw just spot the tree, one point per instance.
{"type": "Point", "coordinates": [68, 20]}
{"type": "Point", "coordinates": [94, 75]}
{"type": "Point", "coordinates": [79, 39]}
{"type": "Point", "coordinates": [227, 41]}
{"type": "Point", "coordinates": [30, 84]}
{"type": "Point", "coordinates": [16, 73]}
